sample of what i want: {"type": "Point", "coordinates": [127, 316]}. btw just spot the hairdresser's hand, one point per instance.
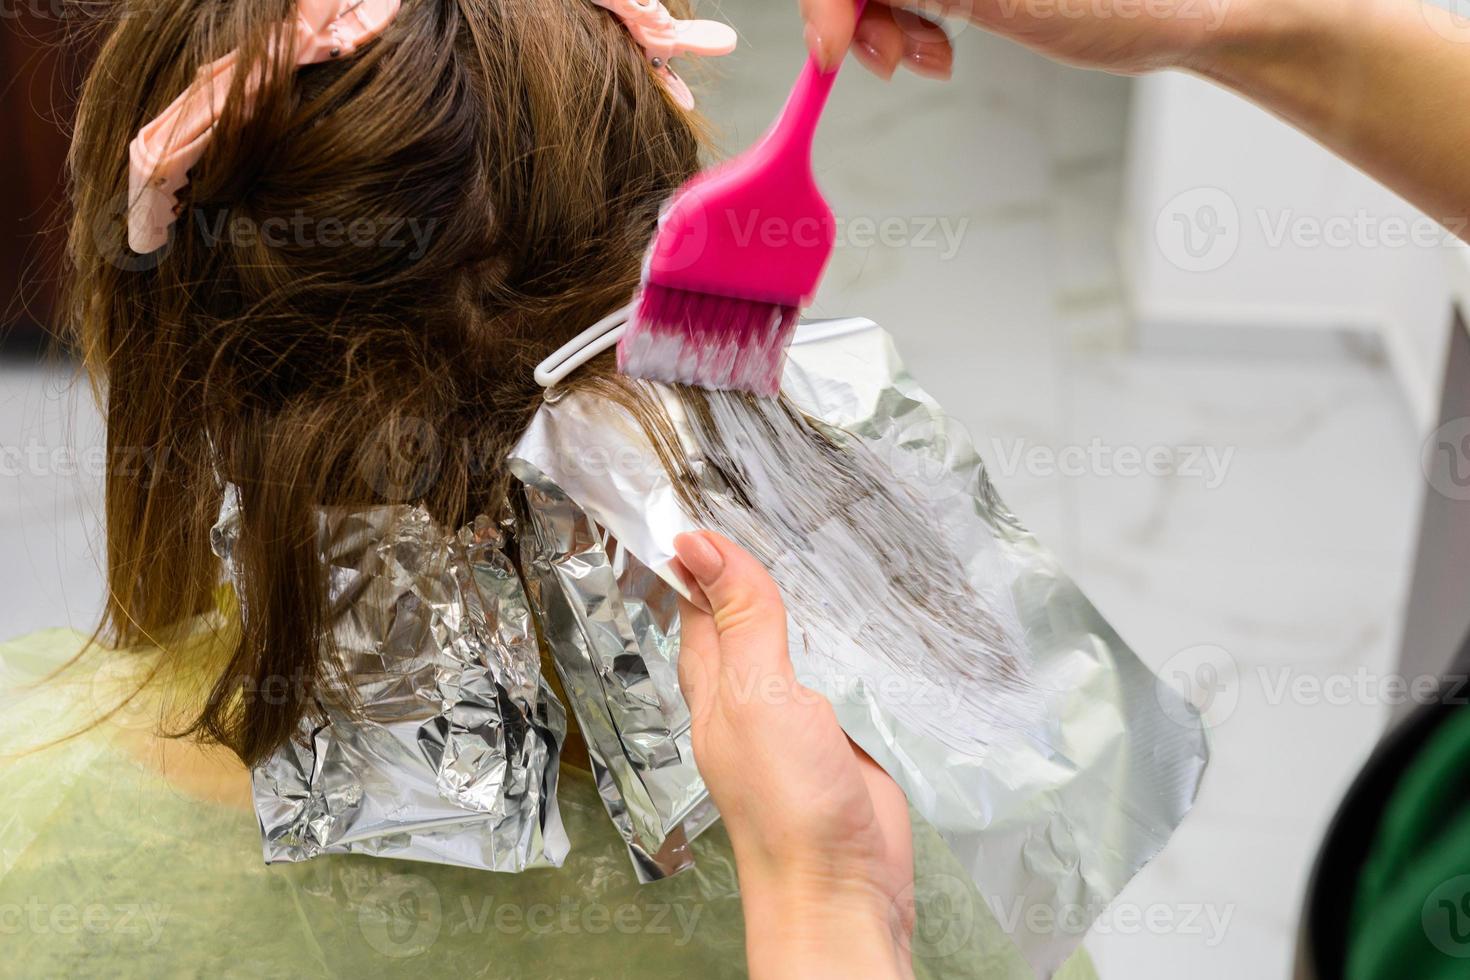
{"type": "Point", "coordinates": [1358, 77]}
{"type": "Point", "coordinates": [1125, 36]}
{"type": "Point", "coordinates": [821, 833]}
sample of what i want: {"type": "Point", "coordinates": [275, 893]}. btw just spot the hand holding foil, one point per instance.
{"type": "Point", "coordinates": [820, 832]}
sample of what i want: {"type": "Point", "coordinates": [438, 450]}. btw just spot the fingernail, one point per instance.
{"type": "Point", "coordinates": [873, 59]}
{"type": "Point", "coordinates": [699, 556]}
{"type": "Point", "coordinates": [816, 47]}
{"type": "Point", "coordinates": [696, 591]}
{"type": "Point", "coordinates": [935, 61]}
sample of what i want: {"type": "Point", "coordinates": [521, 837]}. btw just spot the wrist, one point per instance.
{"type": "Point", "coordinates": [1277, 53]}
{"type": "Point", "coordinates": [816, 912]}
{"type": "Point", "coordinates": [798, 925]}
{"type": "Point", "coordinates": [1250, 33]}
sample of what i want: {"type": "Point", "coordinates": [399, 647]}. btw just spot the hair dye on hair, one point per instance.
{"type": "Point", "coordinates": [862, 563]}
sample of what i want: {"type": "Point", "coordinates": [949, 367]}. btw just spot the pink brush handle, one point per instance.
{"type": "Point", "coordinates": [797, 124]}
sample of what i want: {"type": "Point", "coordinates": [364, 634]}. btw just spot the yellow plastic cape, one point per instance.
{"type": "Point", "coordinates": [109, 868]}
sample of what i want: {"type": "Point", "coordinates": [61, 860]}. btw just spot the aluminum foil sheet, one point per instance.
{"type": "Point", "coordinates": [612, 627]}
{"type": "Point", "coordinates": [446, 746]}
{"type": "Point", "coordinates": [1050, 822]}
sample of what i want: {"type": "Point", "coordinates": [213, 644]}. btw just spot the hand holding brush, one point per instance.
{"type": "Point", "coordinates": [738, 253]}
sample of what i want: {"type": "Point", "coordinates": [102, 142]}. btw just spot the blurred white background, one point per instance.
{"type": "Point", "coordinates": [1022, 231]}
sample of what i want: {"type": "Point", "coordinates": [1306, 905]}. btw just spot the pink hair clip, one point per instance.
{"type": "Point", "coordinates": [161, 154]}
{"type": "Point", "coordinates": [662, 37]}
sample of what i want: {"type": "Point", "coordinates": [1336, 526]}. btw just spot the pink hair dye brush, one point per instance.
{"type": "Point", "coordinates": [738, 252]}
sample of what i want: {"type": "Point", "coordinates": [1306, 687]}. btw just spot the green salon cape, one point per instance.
{"type": "Point", "coordinates": [108, 869]}
{"type": "Point", "coordinates": [1411, 912]}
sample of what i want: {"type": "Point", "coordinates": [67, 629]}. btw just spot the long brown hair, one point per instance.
{"type": "Point", "coordinates": [367, 267]}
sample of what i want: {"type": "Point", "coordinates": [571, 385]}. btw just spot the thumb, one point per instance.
{"type": "Point", "coordinates": [699, 658]}
{"type": "Point", "coordinates": [749, 617]}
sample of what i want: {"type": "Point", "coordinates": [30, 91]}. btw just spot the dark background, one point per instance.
{"type": "Point", "coordinates": [43, 47]}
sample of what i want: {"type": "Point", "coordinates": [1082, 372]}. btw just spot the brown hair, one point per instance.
{"type": "Point", "coordinates": [367, 267]}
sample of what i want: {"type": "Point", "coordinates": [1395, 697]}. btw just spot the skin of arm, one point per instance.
{"type": "Point", "coordinates": [1379, 82]}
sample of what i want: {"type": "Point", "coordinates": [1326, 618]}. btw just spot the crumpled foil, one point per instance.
{"type": "Point", "coordinates": [1050, 825]}
{"type": "Point", "coordinates": [446, 746]}
{"type": "Point", "coordinates": [452, 750]}
{"type": "Point", "coordinates": [612, 627]}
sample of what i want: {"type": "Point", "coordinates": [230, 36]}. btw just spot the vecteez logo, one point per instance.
{"type": "Point", "coordinates": [1199, 229]}
{"type": "Point", "coordinates": [402, 916]}
{"type": "Point", "coordinates": [1446, 459]}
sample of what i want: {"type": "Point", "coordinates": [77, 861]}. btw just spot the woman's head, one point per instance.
{"type": "Point", "coordinates": [368, 264]}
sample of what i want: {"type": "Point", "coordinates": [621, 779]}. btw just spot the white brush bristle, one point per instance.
{"type": "Point", "coordinates": [717, 342]}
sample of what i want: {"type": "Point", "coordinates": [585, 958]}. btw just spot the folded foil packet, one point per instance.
{"type": "Point", "coordinates": [613, 630]}
{"type": "Point", "coordinates": [1051, 817]}
{"type": "Point", "coordinates": [450, 750]}
{"type": "Point", "coordinates": [439, 739]}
